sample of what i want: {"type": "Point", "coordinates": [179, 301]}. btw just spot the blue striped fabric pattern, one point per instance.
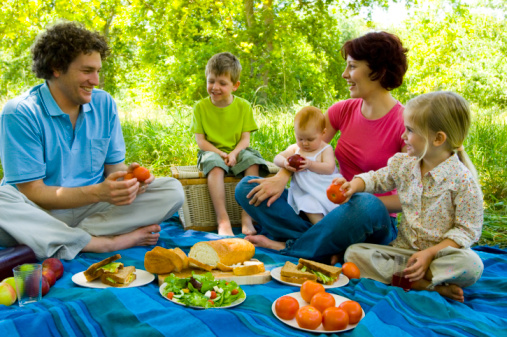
{"type": "Point", "coordinates": [70, 310]}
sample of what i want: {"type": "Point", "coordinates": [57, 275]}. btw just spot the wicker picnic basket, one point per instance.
{"type": "Point", "coordinates": [197, 212]}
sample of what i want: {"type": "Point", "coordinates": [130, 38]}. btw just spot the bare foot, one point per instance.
{"type": "Point", "coordinates": [451, 291]}
{"type": "Point", "coordinates": [225, 229]}
{"type": "Point", "coordinates": [264, 242]}
{"type": "Point", "coordinates": [143, 236]}
{"type": "Point", "coordinates": [247, 227]}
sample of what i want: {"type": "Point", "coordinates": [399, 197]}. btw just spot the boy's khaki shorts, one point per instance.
{"type": "Point", "coordinates": [207, 160]}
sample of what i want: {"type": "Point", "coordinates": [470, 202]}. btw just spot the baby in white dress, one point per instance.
{"type": "Point", "coordinates": [307, 192]}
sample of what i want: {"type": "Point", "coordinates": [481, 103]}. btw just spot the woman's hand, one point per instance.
{"type": "Point", "coordinates": [269, 188]}
{"type": "Point", "coordinates": [418, 265]}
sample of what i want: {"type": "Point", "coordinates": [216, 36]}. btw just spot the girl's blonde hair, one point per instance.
{"type": "Point", "coordinates": [442, 111]}
{"type": "Point", "coordinates": [310, 115]}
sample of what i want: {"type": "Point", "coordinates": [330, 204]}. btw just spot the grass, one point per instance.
{"type": "Point", "coordinates": [160, 138]}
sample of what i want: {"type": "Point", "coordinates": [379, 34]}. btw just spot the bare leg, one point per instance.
{"type": "Point", "coordinates": [451, 291]}
{"type": "Point", "coordinates": [247, 227]}
{"type": "Point", "coordinates": [315, 217]}
{"type": "Point", "coordinates": [143, 236]}
{"type": "Point", "coordinates": [217, 192]}
{"type": "Point", "coordinates": [264, 242]}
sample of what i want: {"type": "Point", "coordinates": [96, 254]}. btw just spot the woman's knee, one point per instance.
{"type": "Point", "coordinates": [243, 188]}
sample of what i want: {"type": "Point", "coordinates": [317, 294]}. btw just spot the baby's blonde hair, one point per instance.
{"type": "Point", "coordinates": [310, 115]}
{"type": "Point", "coordinates": [443, 111]}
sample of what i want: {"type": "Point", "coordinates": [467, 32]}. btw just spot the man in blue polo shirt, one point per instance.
{"type": "Point", "coordinates": [63, 153]}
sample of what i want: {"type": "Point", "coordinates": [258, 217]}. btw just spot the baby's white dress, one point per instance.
{"type": "Point", "coordinates": [307, 190]}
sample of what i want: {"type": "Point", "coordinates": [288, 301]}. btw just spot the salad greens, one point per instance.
{"type": "Point", "coordinates": [199, 289]}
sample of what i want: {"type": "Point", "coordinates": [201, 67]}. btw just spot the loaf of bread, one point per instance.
{"type": "Point", "coordinates": [224, 251]}
{"type": "Point", "coordinates": [162, 261]}
{"type": "Point", "coordinates": [251, 267]}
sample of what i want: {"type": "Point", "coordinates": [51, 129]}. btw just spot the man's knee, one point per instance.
{"type": "Point", "coordinates": [243, 188]}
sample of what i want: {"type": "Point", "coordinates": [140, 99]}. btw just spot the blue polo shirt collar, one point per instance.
{"type": "Point", "coordinates": [50, 104]}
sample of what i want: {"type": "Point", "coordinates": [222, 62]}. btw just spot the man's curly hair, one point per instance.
{"type": "Point", "coordinates": [60, 44]}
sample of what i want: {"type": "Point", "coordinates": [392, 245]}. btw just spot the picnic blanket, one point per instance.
{"type": "Point", "coordinates": [71, 310]}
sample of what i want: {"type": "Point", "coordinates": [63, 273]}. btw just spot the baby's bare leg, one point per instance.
{"type": "Point", "coordinates": [217, 193]}
{"type": "Point", "coordinates": [314, 217]}
{"type": "Point", "coordinates": [143, 236]}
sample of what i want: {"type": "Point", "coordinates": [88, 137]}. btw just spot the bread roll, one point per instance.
{"type": "Point", "coordinates": [225, 251]}
{"type": "Point", "coordinates": [251, 267]}
{"type": "Point", "coordinates": [158, 261]}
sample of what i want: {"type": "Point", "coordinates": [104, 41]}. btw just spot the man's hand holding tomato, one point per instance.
{"type": "Point", "coordinates": [122, 192]}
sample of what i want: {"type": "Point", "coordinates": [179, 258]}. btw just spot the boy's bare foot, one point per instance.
{"type": "Point", "coordinates": [451, 291]}
{"type": "Point", "coordinates": [225, 229]}
{"type": "Point", "coordinates": [143, 236]}
{"type": "Point", "coordinates": [264, 242]}
{"type": "Point", "coordinates": [247, 226]}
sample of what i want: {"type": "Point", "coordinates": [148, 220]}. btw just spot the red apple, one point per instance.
{"type": "Point", "coordinates": [295, 161]}
{"type": "Point", "coordinates": [45, 286]}
{"type": "Point", "coordinates": [55, 265]}
{"type": "Point", "coordinates": [335, 194]}
{"type": "Point", "coordinates": [49, 275]}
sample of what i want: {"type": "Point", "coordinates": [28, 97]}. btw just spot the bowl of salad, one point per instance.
{"type": "Point", "coordinates": [202, 291]}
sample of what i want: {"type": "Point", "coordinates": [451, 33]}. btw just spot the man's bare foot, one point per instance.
{"type": "Point", "coordinates": [225, 229]}
{"type": "Point", "coordinates": [143, 236]}
{"type": "Point", "coordinates": [247, 226]}
{"type": "Point", "coordinates": [264, 242]}
{"type": "Point", "coordinates": [451, 291]}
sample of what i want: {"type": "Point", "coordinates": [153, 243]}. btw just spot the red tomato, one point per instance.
{"type": "Point", "coordinates": [234, 291]}
{"type": "Point", "coordinates": [212, 303]}
{"type": "Point", "coordinates": [129, 176]}
{"type": "Point", "coordinates": [213, 295]}
{"type": "Point", "coordinates": [335, 194]}
{"type": "Point", "coordinates": [334, 318]}
{"type": "Point", "coordinates": [322, 301]}
{"type": "Point", "coordinates": [310, 288]}
{"type": "Point", "coordinates": [308, 317]}
{"type": "Point", "coordinates": [141, 173]}
{"type": "Point", "coordinates": [350, 270]}
{"type": "Point", "coordinates": [170, 295]}
{"type": "Point", "coordinates": [353, 309]}
{"type": "Point", "coordinates": [286, 307]}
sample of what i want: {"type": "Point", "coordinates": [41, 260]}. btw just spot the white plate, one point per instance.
{"type": "Point", "coordinates": [340, 282]}
{"type": "Point", "coordinates": [233, 304]}
{"type": "Point", "coordinates": [293, 323]}
{"type": "Point", "coordinates": [142, 278]}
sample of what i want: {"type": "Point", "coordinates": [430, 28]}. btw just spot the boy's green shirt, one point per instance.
{"type": "Point", "coordinates": [223, 126]}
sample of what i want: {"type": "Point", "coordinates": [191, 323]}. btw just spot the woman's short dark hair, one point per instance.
{"type": "Point", "coordinates": [60, 44]}
{"type": "Point", "coordinates": [385, 55]}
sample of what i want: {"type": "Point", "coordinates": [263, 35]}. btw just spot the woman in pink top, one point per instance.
{"type": "Point", "coordinates": [371, 125]}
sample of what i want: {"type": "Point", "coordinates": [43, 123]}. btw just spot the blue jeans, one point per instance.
{"type": "Point", "coordinates": [364, 218]}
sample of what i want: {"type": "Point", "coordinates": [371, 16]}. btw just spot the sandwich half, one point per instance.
{"type": "Point", "coordinates": [326, 274]}
{"type": "Point", "coordinates": [122, 278]}
{"type": "Point", "coordinates": [107, 265]}
{"type": "Point", "coordinates": [290, 273]}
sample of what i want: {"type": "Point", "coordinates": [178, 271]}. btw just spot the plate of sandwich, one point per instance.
{"type": "Point", "coordinates": [295, 275]}
{"type": "Point", "coordinates": [110, 273]}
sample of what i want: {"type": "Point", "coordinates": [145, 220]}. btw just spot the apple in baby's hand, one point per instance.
{"type": "Point", "coordinates": [7, 294]}
{"type": "Point", "coordinates": [295, 161]}
{"type": "Point", "coordinates": [55, 265]}
{"type": "Point", "coordinates": [49, 275]}
{"type": "Point", "coordinates": [335, 194]}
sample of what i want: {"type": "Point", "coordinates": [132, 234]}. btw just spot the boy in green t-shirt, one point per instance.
{"type": "Point", "coordinates": [222, 124]}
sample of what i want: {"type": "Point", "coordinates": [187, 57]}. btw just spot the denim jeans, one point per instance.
{"type": "Point", "coordinates": [364, 218]}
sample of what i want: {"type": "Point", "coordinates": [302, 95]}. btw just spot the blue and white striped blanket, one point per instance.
{"type": "Point", "coordinates": [70, 310]}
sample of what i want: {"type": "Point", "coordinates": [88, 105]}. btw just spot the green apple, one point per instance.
{"type": "Point", "coordinates": [11, 281]}
{"type": "Point", "coordinates": [7, 294]}
{"type": "Point", "coordinates": [26, 267]}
